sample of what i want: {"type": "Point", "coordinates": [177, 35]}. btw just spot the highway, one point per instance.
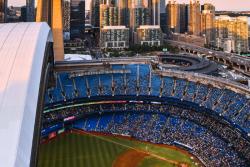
{"type": "Point", "coordinates": [211, 52]}
{"type": "Point", "coordinates": [239, 63]}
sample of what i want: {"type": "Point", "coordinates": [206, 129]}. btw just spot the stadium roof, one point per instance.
{"type": "Point", "coordinates": [22, 47]}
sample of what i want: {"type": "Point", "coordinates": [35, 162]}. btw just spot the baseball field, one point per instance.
{"type": "Point", "coordinates": [92, 150]}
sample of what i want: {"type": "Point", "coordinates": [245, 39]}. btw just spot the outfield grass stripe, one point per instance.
{"type": "Point", "coordinates": [89, 147]}
{"type": "Point", "coordinates": [95, 163]}
{"type": "Point", "coordinates": [60, 147]}
{"type": "Point", "coordinates": [107, 154]}
{"type": "Point", "coordinates": [53, 149]}
{"type": "Point", "coordinates": [134, 148]}
{"type": "Point", "coordinates": [90, 150]}
{"type": "Point", "coordinates": [67, 151]}
{"type": "Point", "coordinates": [98, 152]}
{"type": "Point", "coordinates": [75, 151]}
{"type": "Point", "coordinates": [78, 150]}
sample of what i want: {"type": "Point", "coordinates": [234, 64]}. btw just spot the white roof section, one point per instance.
{"type": "Point", "coordinates": [149, 27]}
{"type": "Point", "coordinates": [77, 57]}
{"type": "Point", "coordinates": [22, 47]}
{"type": "Point", "coordinates": [114, 27]}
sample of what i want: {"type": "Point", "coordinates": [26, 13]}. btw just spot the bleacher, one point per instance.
{"type": "Point", "coordinates": [141, 81]}
{"type": "Point", "coordinates": [164, 129]}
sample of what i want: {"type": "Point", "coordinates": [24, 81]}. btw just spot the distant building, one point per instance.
{"type": "Point", "coordinates": [124, 14]}
{"type": "Point", "coordinates": [23, 14]}
{"type": "Point", "coordinates": [177, 17]}
{"type": "Point", "coordinates": [154, 7]}
{"type": "Point", "coordinates": [77, 19]}
{"type": "Point", "coordinates": [108, 15]}
{"type": "Point", "coordinates": [139, 16]}
{"type": "Point", "coordinates": [150, 35]}
{"type": "Point", "coordinates": [207, 26]}
{"type": "Point", "coordinates": [233, 29]}
{"type": "Point", "coordinates": [3, 11]}
{"type": "Point", "coordinates": [114, 37]}
{"type": "Point", "coordinates": [173, 14]}
{"type": "Point", "coordinates": [66, 16]}
{"type": "Point", "coordinates": [163, 16]}
{"type": "Point", "coordinates": [192, 39]}
{"type": "Point", "coordinates": [194, 18]}
{"type": "Point", "coordinates": [30, 10]}
{"type": "Point", "coordinates": [95, 12]}
{"type": "Point", "coordinates": [183, 18]}
{"type": "Point", "coordinates": [208, 6]}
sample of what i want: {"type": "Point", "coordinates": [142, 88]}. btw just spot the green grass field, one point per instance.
{"type": "Point", "coordinates": [78, 150]}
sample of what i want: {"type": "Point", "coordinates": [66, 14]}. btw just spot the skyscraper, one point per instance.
{"type": "Point", "coordinates": [194, 13]}
{"type": "Point", "coordinates": [108, 15]}
{"type": "Point", "coordinates": [139, 16]}
{"type": "Point", "coordinates": [207, 26]}
{"type": "Point", "coordinates": [154, 6]}
{"type": "Point", "coordinates": [163, 16]}
{"type": "Point", "coordinates": [77, 19]}
{"type": "Point", "coordinates": [183, 18]}
{"type": "Point", "coordinates": [208, 6]}
{"type": "Point", "coordinates": [173, 14]}
{"type": "Point", "coordinates": [3, 10]}
{"type": "Point", "coordinates": [66, 16]}
{"type": "Point", "coordinates": [95, 12]}
{"type": "Point", "coordinates": [124, 15]}
{"type": "Point", "coordinates": [233, 30]}
{"type": "Point", "coordinates": [30, 7]}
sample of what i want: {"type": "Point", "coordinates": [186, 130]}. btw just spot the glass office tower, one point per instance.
{"type": "Point", "coordinates": [77, 19]}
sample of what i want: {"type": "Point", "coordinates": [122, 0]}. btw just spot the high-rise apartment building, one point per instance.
{"type": "Point", "coordinates": [124, 14]}
{"type": "Point", "coordinates": [66, 16]}
{"type": "Point", "coordinates": [183, 18]}
{"type": "Point", "coordinates": [207, 26]}
{"type": "Point", "coordinates": [95, 12]}
{"type": "Point", "coordinates": [108, 15]}
{"type": "Point", "coordinates": [30, 7]}
{"type": "Point", "coordinates": [115, 37]}
{"type": "Point", "coordinates": [73, 19]}
{"type": "Point", "coordinates": [150, 35]}
{"type": "Point", "coordinates": [77, 19]}
{"type": "Point", "coordinates": [233, 29]}
{"type": "Point", "coordinates": [154, 7]}
{"type": "Point", "coordinates": [173, 14]}
{"type": "Point", "coordinates": [139, 16]}
{"type": "Point", "coordinates": [163, 16]}
{"type": "Point", "coordinates": [113, 16]}
{"type": "Point", "coordinates": [208, 6]}
{"type": "Point", "coordinates": [177, 17]}
{"type": "Point", "coordinates": [3, 10]}
{"type": "Point", "coordinates": [194, 18]}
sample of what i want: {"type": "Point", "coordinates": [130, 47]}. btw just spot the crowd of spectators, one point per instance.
{"type": "Point", "coordinates": [214, 128]}
{"type": "Point", "coordinates": [141, 81]}
{"type": "Point", "coordinates": [167, 129]}
{"type": "Point", "coordinates": [214, 141]}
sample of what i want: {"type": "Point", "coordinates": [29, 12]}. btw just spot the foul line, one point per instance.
{"type": "Point", "coordinates": [138, 150]}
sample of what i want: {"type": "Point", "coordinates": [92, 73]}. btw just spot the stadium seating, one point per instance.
{"type": "Point", "coordinates": [210, 121]}
{"type": "Point", "coordinates": [163, 129]}
{"type": "Point", "coordinates": [141, 81]}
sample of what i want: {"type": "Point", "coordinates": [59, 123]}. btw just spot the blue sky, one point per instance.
{"type": "Point", "coordinates": [220, 4]}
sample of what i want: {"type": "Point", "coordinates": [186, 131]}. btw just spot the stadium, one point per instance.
{"type": "Point", "coordinates": [205, 116]}
{"type": "Point", "coordinates": [115, 112]}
